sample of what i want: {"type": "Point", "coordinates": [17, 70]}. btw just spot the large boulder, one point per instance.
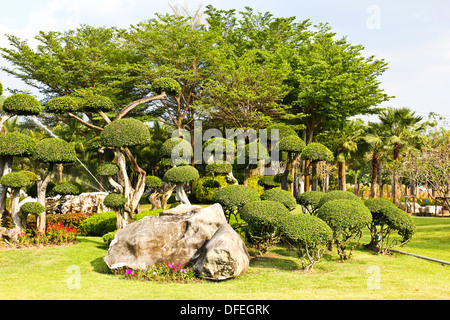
{"type": "Point", "coordinates": [91, 202]}
{"type": "Point", "coordinates": [171, 238]}
{"type": "Point", "coordinates": [223, 257]}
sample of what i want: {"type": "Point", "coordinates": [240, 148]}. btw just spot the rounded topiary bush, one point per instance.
{"type": "Point", "coordinates": [219, 145]}
{"type": "Point", "coordinates": [32, 208]}
{"type": "Point", "coordinates": [68, 188]}
{"type": "Point", "coordinates": [23, 104]}
{"type": "Point", "coordinates": [176, 147]}
{"type": "Point", "coordinates": [387, 218]}
{"type": "Point", "coordinates": [107, 169]}
{"type": "Point", "coordinates": [277, 178]}
{"type": "Point", "coordinates": [181, 174]}
{"type": "Point", "coordinates": [114, 201]}
{"type": "Point", "coordinates": [310, 200]}
{"type": "Point", "coordinates": [16, 144]}
{"type": "Point", "coordinates": [168, 85]}
{"type": "Point", "coordinates": [346, 218]}
{"type": "Point", "coordinates": [217, 168]}
{"type": "Point", "coordinates": [98, 224]}
{"type": "Point", "coordinates": [96, 103]}
{"type": "Point", "coordinates": [308, 234]}
{"type": "Point", "coordinates": [205, 187]}
{"type": "Point", "coordinates": [62, 104]}
{"type": "Point", "coordinates": [291, 143]}
{"type": "Point", "coordinates": [317, 152]}
{"type": "Point", "coordinates": [283, 130]}
{"type": "Point", "coordinates": [234, 197]}
{"type": "Point", "coordinates": [338, 194]}
{"type": "Point", "coordinates": [268, 182]}
{"type": "Point", "coordinates": [153, 182]}
{"type": "Point", "coordinates": [282, 196]}
{"type": "Point", "coordinates": [53, 150]}
{"type": "Point", "coordinates": [124, 133]}
{"type": "Point", "coordinates": [263, 217]}
{"type": "Point", "coordinates": [15, 180]}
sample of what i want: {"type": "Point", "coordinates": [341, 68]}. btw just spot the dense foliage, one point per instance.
{"type": "Point", "coordinates": [234, 197]}
{"type": "Point", "coordinates": [62, 104]}
{"type": "Point", "coordinates": [107, 169]}
{"type": "Point", "coordinates": [170, 86]}
{"type": "Point", "coordinates": [22, 104]}
{"type": "Point", "coordinates": [114, 201]}
{"type": "Point", "coordinates": [204, 188]}
{"type": "Point", "coordinates": [317, 152]}
{"type": "Point", "coordinates": [338, 194]}
{"type": "Point", "coordinates": [291, 143]}
{"type": "Point", "coordinates": [32, 208]}
{"type": "Point", "coordinates": [153, 182]}
{"type": "Point", "coordinates": [124, 133]}
{"type": "Point", "coordinates": [15, 180]}
{"type": "Point", "coordinates": [181, 174]}
{"type": "Point", "coordinates": [54, 150]}
{"type": "Point", "coordinates": [282, 196]}
{"type": "Point", "coordinates": [16, 144]}
{"type": "Point", "coordinates": [68, 188]}
{"type": "Point", "coordinates": [311, 200]}
{"type": "Point", "coordinates": [346, 218]}
{"type": "Point", "coordinates": [263, 217]}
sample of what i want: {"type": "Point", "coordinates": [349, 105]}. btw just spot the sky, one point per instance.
{"type": "Point", "coordinates": [413, 36]}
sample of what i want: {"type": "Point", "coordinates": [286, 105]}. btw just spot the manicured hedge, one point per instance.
{"type": "Point", "coordinates": [153, 182]}
{"type": "Point", "coordinates": [263, 218]}
{"type": "Point", "coordinates": [68, 188]}
{"type": "Point", "coordinates": [181, 174]}
{"type": "Point", "coordinates": [98, 224]}
{"type": "Point", "coordinates": [62, 104]}
{"type": "Point", "coordinates": [96, 103]}
{"type": "Point", "coordinates": [218, 168]}
{"type": "Point", "coordinates": [317, 152]}
{"type": "Point", "coordinates": [282, 196]}
{"type": "Point", "coordinates": [15, 180]}
{"type": "Point", "coordinates": [180, 148]}
{"type": "Point", "coordinates": [16, 144]}
{"type": "Point", "coordinates": [22, 104]}
{"type": "Point", "coordinates": [308, 234]}
{"type": "Point", "coordinates": [268, 182]}
{"type": "Point", "coordinates": [346, 218]}
{"type": "Point", "coordinates": [53, 150]}
{"type": "Point", "coordinates": [284, 130]}
{"type": "Point", "coordinates": [310, 200]}
{"type": "Point", "coordinates": [114, 201]}
{"type": "Point", "coordinates": [338, 194]}
{"type": "Point", "coordinates": [291, 143]}
{"type": "Point", "coordinates": [234, 197]}
{"type": "Point", "coordinates": [32, 208]}
{"type": "Point", "coordinates": [125, 133]}
{"type": "Point", "coordinates": [204, 188]}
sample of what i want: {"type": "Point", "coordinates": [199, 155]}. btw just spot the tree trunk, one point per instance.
{"type": "Point", "coordinates": [5, 167]}
{"type": "Point", "coordinates": [373, 186]}
{"type": "Point", "coordinates": [181, 195]}
{"type": "Point", "coordinates": [15, 208]}
{"type": "Point", "coordinates": [307, 162]}
{"type": "Point", "coordinates": [342, 183]}
{"type": "Point", "coordinates": [41, 186]}
{"type": "Point", "coordinates": [314, 176]}
{"type": "Point", "coordinates": [153, 199]}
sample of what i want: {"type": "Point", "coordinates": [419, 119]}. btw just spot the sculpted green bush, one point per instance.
{"type": "Point", "coordinates": [96, 103]}
{"type": "Point", "coordinates": [308, 234]}
{"type": "Point", "coordinates": [125, 133]}
{"type": "Point", "coordinates": [68, 188]}
{"type": "Point", "coordinates": [263, 218]}
{"type": "Point", "coordinates": [114, 201]}
{"type": "Point", "coordinates": [153, 182]}
{"type": "Point", "coordinates": [217, 168]}
{"type": "Point", "coordinates": [205, 187]}
{"type": "Point", "coordinates": [338, 194]}
{"type": "Point", "coordinates": [98, 224]}
{"type": "Point", "coordinates": [63, 104]}
{"type": "Point", "coordinates": [282, 196]}
{"type": "Point", "coordinates": [16, 144]}
{"type": "Point", "coordinates": [23, 104]}
{"type": "Point", "coordinates": [107, 169]}
{"type": "Point", "coordinates": [233, 198]}
{"type": "Point", "coordinates": [53, 150]}
{"type": "Point", "coordinates": [346, 218]}
{"type": "Point", "coordinates": [317, 152]}
{"type": "Point", "coordinates": [15, 180]}
{"type": "Point", "coordinates": [291, 143]}
{"type": "Point", "coordinates": [310, 200]}
{"type": "Point", "coordinates": [181, 174]}
{"type": "Point", "coordinates": [32, 208]}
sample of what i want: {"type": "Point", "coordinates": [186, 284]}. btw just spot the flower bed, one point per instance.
{"type": "Point", "coordinates": [55, 234]}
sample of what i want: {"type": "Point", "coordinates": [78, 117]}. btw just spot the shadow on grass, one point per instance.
{"type": "Point", "coordinates": [100, 266]}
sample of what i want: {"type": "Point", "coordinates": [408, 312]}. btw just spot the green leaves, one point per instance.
{"type": "Point", "coordinates": [53, 150]}
{"type": "Point", "coordinates": [22, 104]}
{"type": "Point", "coordinates": [181, 174]}
{"type": "Point", "coordinates": [125, 133]}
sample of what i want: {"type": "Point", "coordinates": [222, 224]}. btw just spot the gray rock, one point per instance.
{"type": "Point", "coordinates": [172, 238]}
{"type": "Point", "coordinates": [223, 257]}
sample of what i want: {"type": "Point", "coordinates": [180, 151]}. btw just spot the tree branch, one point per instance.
{"type": "Point", "coordinates": [134, 104]}
{"type": "Point", "coordinates": [90, 125]}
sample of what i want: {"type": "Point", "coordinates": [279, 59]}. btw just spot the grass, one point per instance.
{"type": "Point", "coordinates": [52, 273]}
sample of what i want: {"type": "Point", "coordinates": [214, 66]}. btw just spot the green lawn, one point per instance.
{"type": "Point", "coordinates": [49, 274]}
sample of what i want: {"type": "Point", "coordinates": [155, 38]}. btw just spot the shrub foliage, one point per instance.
{"type": "Point", "coordinates": [125, 133]}
{"type": "Point", "coordinates": [282, 196]}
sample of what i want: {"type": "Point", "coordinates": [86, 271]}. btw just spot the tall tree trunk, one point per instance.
{"type": "Point", "coordinates": [394, 181]}
{"type": "Point", "coordinates": [307, 162]}
{"type": "Point", "coordinates": [373, 186]}
{"type": "Point", "coordinates": [15, 208]}
{"type": "Point", "coordinates": [5, 168]}
{"type": "Point", "coordinates": [342, 183]}
{"type": "Point", "coordinates": [314, 176]}
{"type": "Point", "coordinates": [181, 194]}
{"type": "Point", "coordinates": [41, 186]}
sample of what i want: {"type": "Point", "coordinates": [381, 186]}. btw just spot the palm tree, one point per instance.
{"type": "Point", "coordinates": [403, 131]}
{"type": "Point", "coordinates": [375, 141]}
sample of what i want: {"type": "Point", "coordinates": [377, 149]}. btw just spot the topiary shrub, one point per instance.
{"type": "Point", "coordinates": [317, 152]}
{"type": "Point", "coordinates": [179, 175]}
{"type": "Point", "coordinates": [168, 85]}
{"type": "Point", "coordinates": [308, 234]}
{"type": "Point", "coordinates": [98, 224]}
{"type": "Point", "coordinates": [153, 182]}
{"type": "Point", "coordinates": [204, 188]}
{"type": "Point", "coordinates": [310, 200]}
{"type": "Point", "coordinates": [125, 133]}
{"type": "Point", "coordinates": [263, 217]}
{"type": "Point", "coordinates": [96, 103]}
{"type": "Point", "coordinates": [68, 188]}
{"type": "Point", "coordinates": [31, 208]}
{"type": "Point", "coordinates": [114, 201]}
{"type": "Point", "coordinates": [282, 196]}
{"type": "Point", "coordinates": [16, 144]}
{"type": "Point", "coordinates": [233, 198]}
{"type": "Point", "coordinates": [291, 143]}
{"type": "Point", "coordinates": [53, 150]}
{"type": "Point", "coordinates": [15, 180]}
{"type": "Point", "coordinates": [388, 219]}
{"type": "Point", "coordinates": [218, 147]}
{"type": "Point", "coordinates": [23, 104]}
{"type": "Point", "coordinates": [62, 104]}
{"type": "Point", "coordinates": [284, 130]}
{"type": "Point", "coordinates": [217, 168]}
{"type": "Point", "coordinates": [176, 151]}
{"type": "Point", "coordinates": [268, 182]}
{"type": "Point", "coordinates": [338, 194]}
{"type": "Point", "coordinates": [346, 218]}
{"type": "Point", "coordinates": [107, 169]}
